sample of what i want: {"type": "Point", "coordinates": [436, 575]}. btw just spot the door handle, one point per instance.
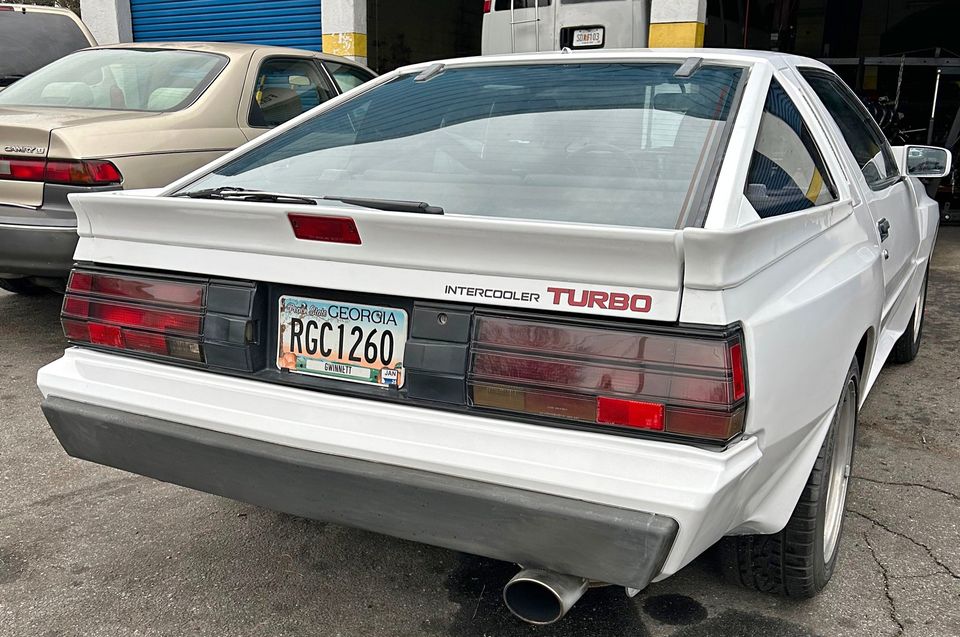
{"type": "Point", "coordinates": [884, 227]}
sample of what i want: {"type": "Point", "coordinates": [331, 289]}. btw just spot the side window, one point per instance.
{"type": "Point", "coordinates": [863, 136]}
{"type": "Point", "coordinates": [348, 76]}
{"type": "Point", "coordinates": [286, 88]}
{"type": "Point", "coordinates": [787, 173]}
{"type": "Point", "coordinates": [504, 5]}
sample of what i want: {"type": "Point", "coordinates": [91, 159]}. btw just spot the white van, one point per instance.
{"type": "Point", "coordinates": [518, 26]}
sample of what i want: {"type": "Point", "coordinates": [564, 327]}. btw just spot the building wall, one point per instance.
{"type": "Point", "coordinates": [108, 20]}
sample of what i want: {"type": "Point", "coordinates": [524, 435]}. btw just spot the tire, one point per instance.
{"type": "Point", "coordinates": [24, 287]}
{"type": "Point", "coordinates": [799, 560]}
{"type": "Point", "coordinates": [907, 346]}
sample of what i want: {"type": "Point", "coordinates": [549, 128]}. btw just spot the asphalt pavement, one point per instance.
{"type": "Point", "coordinates": [87, 551]}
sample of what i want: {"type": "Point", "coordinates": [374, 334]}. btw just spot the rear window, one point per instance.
{"type": "Point", "coordinates": [154, 80]}
{"type": "Point", "coordinates": [619, 144]}
{"type": "Point", "coordinates": [30, 40]}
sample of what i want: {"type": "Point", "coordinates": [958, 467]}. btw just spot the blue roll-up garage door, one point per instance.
{"type": "Point", "coordinates": [293, 23]}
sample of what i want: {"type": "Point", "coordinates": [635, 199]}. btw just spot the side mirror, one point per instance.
{"type": "Point", "coordinates": [923, 161]}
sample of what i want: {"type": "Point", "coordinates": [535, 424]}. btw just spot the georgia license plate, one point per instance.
{"type": "Point", "coordinates": [346, 341]}
{"type": "Point", "coordinates": [588, 37]}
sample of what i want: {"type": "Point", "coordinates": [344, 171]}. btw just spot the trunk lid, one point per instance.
{"type": "Point", "coordinates": [601, 270]}
{"type": "Point", "coordinates": [26, 133]}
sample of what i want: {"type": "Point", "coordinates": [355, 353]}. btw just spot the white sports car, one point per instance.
{"type": "Point", "coordinates": [590, 313]}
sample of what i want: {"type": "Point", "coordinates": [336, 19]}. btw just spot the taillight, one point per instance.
{"type": "Point", "coordinates": [487, 5]}
{"type": "Point", "coordinates": [139, 314]}
{"type": "Point", "coordinates": [635, 380]}
{"type": "Point", "coordinates": [20, 169]}
{"type": "Point", "coordinates": [88, 172]}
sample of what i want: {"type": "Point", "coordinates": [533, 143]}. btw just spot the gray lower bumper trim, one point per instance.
{"type": "Point", "coordinates": [37, 250]}
{"type": "Point", "coordinates": [601, 542]}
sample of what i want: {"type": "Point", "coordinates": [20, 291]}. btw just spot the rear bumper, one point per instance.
{"type": "Point", "coordinates": [41, 241]}
{"type": "Point", "coordinates": [34, 250]}
{"type": "Point", "coordinates": [568, 536]}
{"type": "Point", "coordinates": [704, 491]}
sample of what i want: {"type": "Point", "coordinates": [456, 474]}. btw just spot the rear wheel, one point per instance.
{"type": "Point", "coordinates": [22, 286]}
{"type": "Point", "coordinates": [907, 346]}
{"type": "Point", "coordinates": [799, 560]}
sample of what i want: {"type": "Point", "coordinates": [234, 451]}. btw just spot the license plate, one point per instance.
{"type": "Point", "coordinates": [588, 37]}
{"type": "Point", "coordinates": [345, 341]}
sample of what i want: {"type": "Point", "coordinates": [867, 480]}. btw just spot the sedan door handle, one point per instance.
{"type": "Point", "coordinates": [884, 227]}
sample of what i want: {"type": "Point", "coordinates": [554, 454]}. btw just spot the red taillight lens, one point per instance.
{"type": "Point", "coordinates": [736, 366]}
{"type": "Point", "coordinates": [20, 169]}
{"type": "Point", "coordinates": [90, 172]}
{"type": "Point", "coordinates": [173, 293]}
{"type": "Point", "coordinates": [329, 229]}
{"type": "Point", "coordinates": [685, 385]}
{"type": "Point", "coordinates": [631, 413]}
{"type": "Point", "coordinates": [140, 314]}
{"type": "Point", "coordinates": [487, 5]}
{"type": "Point", "coordinates": [161, 320]}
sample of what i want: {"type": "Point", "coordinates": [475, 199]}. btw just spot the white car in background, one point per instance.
{"type": "Point", "coordinates": [589, 331]}
{"type": "Point", "coordinates": [33, 36]}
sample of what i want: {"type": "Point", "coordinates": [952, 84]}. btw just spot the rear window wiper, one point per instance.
{"type": "Point", "coordinates": [235, 193]}
{"type": "Point", "coordinates": [398, 205]}
{"type": "Point", "coordinates": [242, 194]}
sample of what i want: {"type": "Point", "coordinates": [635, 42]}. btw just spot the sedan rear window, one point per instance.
{"type": "Point", "coordinates": [154, 80]}
{"type": "Point", "coordinates": [603, 143]}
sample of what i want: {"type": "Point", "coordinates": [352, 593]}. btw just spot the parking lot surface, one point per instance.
{"type": "Point", "coordinates": [87, 550]}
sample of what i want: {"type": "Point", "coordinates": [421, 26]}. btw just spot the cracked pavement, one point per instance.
{"type": "Point", "coordinates": [87, 551]}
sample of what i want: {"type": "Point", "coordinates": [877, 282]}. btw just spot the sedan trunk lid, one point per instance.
{"type": "Point", "coordinates": [27, 133]}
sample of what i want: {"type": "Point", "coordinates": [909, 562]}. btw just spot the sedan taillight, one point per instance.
{"type": "Point", "coordinates": [150, 316]}
{"type": "Point", "coordinates": [86, 172]}
{"type": "Point", "coordinates": [628, 379]}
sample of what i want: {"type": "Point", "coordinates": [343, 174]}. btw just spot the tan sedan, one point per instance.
{"type": "Point", "coordinates": [135, 116]}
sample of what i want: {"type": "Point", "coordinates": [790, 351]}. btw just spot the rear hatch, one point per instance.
{"type": "Point", "coordinates": [511, 246]}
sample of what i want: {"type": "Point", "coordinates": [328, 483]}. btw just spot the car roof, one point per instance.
{"type": "Point", "coordinates": [743, 57]}
{"type": "Point", "coordinates": [230, 49]}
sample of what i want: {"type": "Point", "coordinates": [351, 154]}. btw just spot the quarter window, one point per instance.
{"type": "Point", "coordinates": [787, 173]}
{"type": "Point", "coordinates": [286, 88]}
{"type": "Point", "coordinates": [348, 76]}
{"type": "Point", "coordinates": [863, 136]}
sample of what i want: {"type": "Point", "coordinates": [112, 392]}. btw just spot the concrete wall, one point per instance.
{"type": "Point", "coordinates": [109, 20]}
{"type": "Point", "coordinates": [677, 23]}
{"type": "Point", "coordinates": [345, 28]}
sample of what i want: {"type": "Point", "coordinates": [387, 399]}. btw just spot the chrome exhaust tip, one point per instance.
{"type": "Point", "coordinates": [542, 597]}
